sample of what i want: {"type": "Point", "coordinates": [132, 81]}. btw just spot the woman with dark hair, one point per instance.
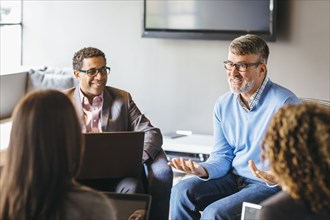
{"type": "Point", "coordinates": [297, 147]}
{"type": "Point", "coordinates": [43, 157]}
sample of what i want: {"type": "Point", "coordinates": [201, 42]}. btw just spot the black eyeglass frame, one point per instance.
{"type": "Point", "coordinates": [240, 65]}
{"type": "Point", "coordinates": [93, 71]}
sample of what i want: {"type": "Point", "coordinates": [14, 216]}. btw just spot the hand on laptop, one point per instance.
{"type": "Point", "coordinates": [188, 166]}
{"type": "Point", "coordinates": [138, 215]}
{"type": "Point", "coordinates": [266, 176]}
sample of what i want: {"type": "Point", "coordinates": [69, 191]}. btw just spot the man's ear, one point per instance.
{"type": "Point", "coordinates": [76, 74]}
{"type": "Point", "coordinates": [263, 69]}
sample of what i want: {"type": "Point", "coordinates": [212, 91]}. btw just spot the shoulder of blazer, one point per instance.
{"type": "Point", "coordinates": [115, 92]}
{"type": "Point", "coordinates": [69, 92]}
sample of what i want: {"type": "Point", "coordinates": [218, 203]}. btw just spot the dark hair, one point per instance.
{"type": "Point", "coordinates": [250, 44]}
{"type": "Point", "coordinates": [297, 147]}
{"type": "Point", "coordinates": [44, 156]}
{"type": "Point", "coordinates": [86, 52]}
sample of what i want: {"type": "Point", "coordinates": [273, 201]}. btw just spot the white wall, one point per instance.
{"type": "Point", "coordinates": [175, 82]}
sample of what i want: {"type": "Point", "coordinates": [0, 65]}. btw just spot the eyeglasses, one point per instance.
{"type": "Point", "coordinates": [93, 72]}
{"type": "Point", "coordinates": [240, 67]}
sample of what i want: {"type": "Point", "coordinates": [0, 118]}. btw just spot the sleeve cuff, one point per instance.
{"type": "Point", "coordinates": [275, 185]}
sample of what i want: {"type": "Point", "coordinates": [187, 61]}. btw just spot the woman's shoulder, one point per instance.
{"type": "Point", "coordinates": [282, 206]}
{"type": "Point", "coordinates": [279, 198]}
{"type": "Point", "coordinates": [85, 203]}
{"type": "Point", "coordinates": [83, 191]}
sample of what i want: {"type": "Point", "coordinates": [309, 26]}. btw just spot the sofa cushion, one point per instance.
{"type": "Point", "coordinates": [50, 77]}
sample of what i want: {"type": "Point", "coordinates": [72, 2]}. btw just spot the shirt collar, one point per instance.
{"type": "Point", "coordinates": [254, 99]}
{"type": "Point", "coordinates": [84, 99]}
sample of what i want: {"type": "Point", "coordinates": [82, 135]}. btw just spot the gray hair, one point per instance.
{"type": "Point", "coordinates": [250, 44]}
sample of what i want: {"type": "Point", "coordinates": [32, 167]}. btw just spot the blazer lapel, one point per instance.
{"type": "Point", "coordinates": [107, 100]}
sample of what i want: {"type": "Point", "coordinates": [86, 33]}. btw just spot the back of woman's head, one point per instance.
{"type": "Point", "coordinates": [44, 155]}
{"type": "Point", "coordinates": [297, 145]}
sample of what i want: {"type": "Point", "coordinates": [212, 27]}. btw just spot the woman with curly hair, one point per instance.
{"type": "Point", "coordinates": [297, 148]}
{"type": "Point", "coordinates": [44, 156]}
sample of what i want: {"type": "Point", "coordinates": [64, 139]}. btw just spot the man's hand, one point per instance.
{"type": "Point", "coordinates": [266, 176]}
{"type": "Point", "coordinates": [188, 166]}
{"type": "Point", "coordinates": [139, 214]}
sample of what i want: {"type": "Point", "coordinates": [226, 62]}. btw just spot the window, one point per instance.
{"type": "Point", "coordinates": [10, 35]}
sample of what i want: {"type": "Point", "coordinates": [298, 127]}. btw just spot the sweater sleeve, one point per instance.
{"type": "Point", "coordinates": [220, 160]}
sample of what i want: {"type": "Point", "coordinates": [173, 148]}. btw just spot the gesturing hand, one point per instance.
{"type": "Point", "coordinates": [188, 166]}
{"type": "Point", "coordinates": [266, 176]}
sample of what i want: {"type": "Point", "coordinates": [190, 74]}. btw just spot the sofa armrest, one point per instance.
{"type": "Point", "coordinates": [12, 89]}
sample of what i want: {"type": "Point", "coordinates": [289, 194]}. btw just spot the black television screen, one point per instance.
{"type": "Point", "coordinates": [209, 19]}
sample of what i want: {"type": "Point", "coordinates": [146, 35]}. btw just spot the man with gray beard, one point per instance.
{"type": "Point", "coordinates": [221, 184]}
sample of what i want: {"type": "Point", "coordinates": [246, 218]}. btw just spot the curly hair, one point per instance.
{"type": "Point", "coordinates": [297, 147]}
{"type": "Point", "coordinates": [87, 52]}
{"type": "Point", "coordinates": [250, 44]}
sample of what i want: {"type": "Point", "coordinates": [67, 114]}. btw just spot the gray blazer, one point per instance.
{"type": "Point", "coordinates": [120, 113]}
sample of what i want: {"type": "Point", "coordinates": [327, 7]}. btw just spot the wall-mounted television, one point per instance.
{"type": "Point", "coordinates": [209, 19]}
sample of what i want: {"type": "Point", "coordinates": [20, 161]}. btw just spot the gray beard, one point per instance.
{"type": "Point", "coordinates": [245, 88]}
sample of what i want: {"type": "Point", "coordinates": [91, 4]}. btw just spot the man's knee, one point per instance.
{"type": "Point", "coordinates": [159, 169]}
{"type": "Point", "coordinates": [215, 213]}
{"type": "Point", "coordinates": [180, 189]}
{"type": "Point", "coordinates": [222, 210]}
{"type": "Point", "coordinates": [129, 185]}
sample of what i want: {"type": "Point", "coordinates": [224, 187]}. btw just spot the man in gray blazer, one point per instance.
{"type": "Point", "coordinates": [103, 108]}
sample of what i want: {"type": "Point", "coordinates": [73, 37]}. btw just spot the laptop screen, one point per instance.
{"type": "Point", "coordinates": [130, 206]}
{"type": "Point", "coordinates": [112, 155]}
{"type": "Point", "coordinates": [250, 211]}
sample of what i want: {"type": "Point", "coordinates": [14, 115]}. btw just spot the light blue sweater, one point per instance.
{"type": "Point", "coordinates": [238, 133]}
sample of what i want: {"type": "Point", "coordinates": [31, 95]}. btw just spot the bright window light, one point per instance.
{"type": "Point", "coordinates": [10, 35]}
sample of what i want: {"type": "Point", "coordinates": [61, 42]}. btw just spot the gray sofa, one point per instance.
{"type": "Point", "coordinates": [15, 85]}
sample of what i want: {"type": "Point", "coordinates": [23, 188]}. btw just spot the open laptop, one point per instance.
{"type": "Point", "coordinates": [126, 205]}
{"type": "Point", "coordinates": [250, 211]}
{"type": "Point", "coordinates": [112, 155]}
